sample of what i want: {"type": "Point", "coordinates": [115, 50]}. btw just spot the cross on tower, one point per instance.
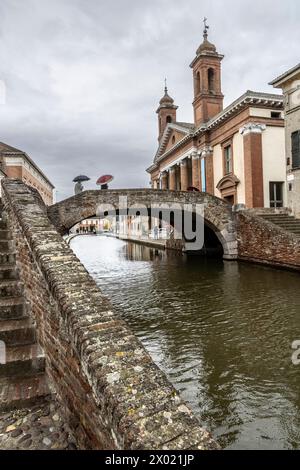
{"type": "Point", "coordinates": [206, 28]}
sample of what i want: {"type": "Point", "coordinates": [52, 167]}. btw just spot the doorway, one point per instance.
{"type": "Point", "coordinates": [276, 194]}
{"type": "Point", "coordinates": [229, 199]}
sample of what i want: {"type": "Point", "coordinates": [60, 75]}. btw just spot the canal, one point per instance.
{"type": "Point", "coordinates": [221, 331]}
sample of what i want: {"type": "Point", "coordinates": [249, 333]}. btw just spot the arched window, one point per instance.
{"type": "Point", "coordinates": [211, 80]}
{"type": "Point", "coordinates": [169, 119]}
{"type": "Point", "coordinates": [173, 139]}
{"type": "Point", "coordinates": [197, 83]}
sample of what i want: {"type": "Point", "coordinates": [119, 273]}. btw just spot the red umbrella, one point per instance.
{"type": "Point", "coordinates": [104, 179]}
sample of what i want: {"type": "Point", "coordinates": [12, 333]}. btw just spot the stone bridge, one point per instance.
{"type": "Point", "coordinates": [217, 213]}
{"type": "Point", "coordinates": [243, 235]}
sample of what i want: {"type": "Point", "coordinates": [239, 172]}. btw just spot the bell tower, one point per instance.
{"type": "Point", "coordinates": [206, 66]}
{"type": "Point", "coordinates": [166, 112]}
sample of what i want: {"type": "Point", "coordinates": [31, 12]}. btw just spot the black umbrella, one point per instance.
{"type": "Point", "coordinates": [81, 178]}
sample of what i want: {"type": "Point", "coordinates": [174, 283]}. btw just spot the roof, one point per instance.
{"type": "Point", "coordinates": [285, 76]}
{"type": "Point", "coordinates": [206, 46]}
{"type": "Point", "coordinates": [188, 125]}
{"type": "Point", "coordinates": [9, 151]}
{"type": "Point", "coordinates": [247, 99]}
{"type": "Point", "coordinates": [166, 99]}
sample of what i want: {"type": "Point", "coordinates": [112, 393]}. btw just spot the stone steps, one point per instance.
{"type": "Point", "coordinates": [4, 234]}
{"type": "Point", "coordinates": [11, 288]}
{"type": "Point", "coordinates": [21, 392]}
{"type": "Point", "coordinates": [12, 308]}
{"type": "Point", "coordinates": [23, 361]}
{"type": "Point", "coordinates": [8, 271]}
{"type": "Point", "coordinates": [286, 222]}
{"type": "Point", "coordinates": [6, 245]}
{"type": "Point", "coordinates": [7, 257]}
{"type": "Point", "coordinates": [17, 332]}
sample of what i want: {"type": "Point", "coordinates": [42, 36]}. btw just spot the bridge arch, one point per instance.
{"type": "Point", "coordinates": [217, 214]}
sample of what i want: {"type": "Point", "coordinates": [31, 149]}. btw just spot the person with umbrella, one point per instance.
{"type": "Point", "coordinates": [104, 180]}
{"type": "Point", "coordinates": [78, 186]}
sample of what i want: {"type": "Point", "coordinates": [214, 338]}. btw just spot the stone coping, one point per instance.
{"type": "Point", "coordinates": [139, 406]}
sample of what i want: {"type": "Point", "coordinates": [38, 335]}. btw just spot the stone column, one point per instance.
{"type": "Point", "coordinates": [253, 164]}
{"type": "Point", "coordinates": [164, 180]}
{"type": "Point", "coordinates": [184, 175]}
{"type": "Point", "coordinates": [195, 171]}
{"type": "Point", "coordinates": [172, 179]}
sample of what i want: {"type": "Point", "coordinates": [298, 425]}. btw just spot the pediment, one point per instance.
{"type": "Point", "coordinates": [172, 130]}
{"type": "Point", "coordinates": [228, 181]}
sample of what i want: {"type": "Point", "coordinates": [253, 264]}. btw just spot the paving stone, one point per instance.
{"type": "Point", "coordinates": [47, 441]}
{"type": "Point", "coordinates": [27, 444]}
{"type": "Point", "coordinates": [16, 433]}
{"type": "Point", "coordinates": [24, 438]}
{"type": "Point", "coordinates": [37, 436]}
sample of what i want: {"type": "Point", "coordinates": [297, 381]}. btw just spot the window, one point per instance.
{"type": "Point", "coordinates": [211, 80]}
{"type": "Point", "coordinates": [203, 175]}
{"type": "Point", "coordinates": [275, 115]}
{"type": "Point", "coordinates": [227, 159]}
{"type": "Point", "coordinates": [173, 139]}
{"type": "Point", "coordinates": [169, 119]}
{"type": "Point", "coordinates": [296, 149]}
{"type": "Point", "coordinates": [197, 83]}
{"type": "Point", "coordinates": [276, 194]}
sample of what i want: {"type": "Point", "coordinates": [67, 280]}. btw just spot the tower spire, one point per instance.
{"type": "Point", "coordinates": [166, 111]}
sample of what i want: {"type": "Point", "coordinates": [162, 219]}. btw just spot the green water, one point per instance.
{"type": "Point", "coordinates": [222, 332]}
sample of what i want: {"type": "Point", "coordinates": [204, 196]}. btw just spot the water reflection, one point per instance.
{"type": "Point", "coordinates": [222, 332]}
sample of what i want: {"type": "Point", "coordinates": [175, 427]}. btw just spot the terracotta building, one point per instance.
{"type": "Point", "coordinates": [17, 164]}
{"type": "Point", "coordinates": [236, 153]}
{"type": "Point", "coordinates": [289, 82]}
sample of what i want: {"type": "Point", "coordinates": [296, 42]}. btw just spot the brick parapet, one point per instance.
{"type": "Point", "coordinates": [113, 394]}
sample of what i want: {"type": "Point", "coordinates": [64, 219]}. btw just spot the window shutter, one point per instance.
{"type": "Point", "coordinates": [296, 149]}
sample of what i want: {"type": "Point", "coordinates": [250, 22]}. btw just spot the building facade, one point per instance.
{"type": "Point", "coordinates": [289, 82]}
{"type": "Point", "coordinates": [17, 164]}
{"type": "Point", "coordinates": [236, 153]}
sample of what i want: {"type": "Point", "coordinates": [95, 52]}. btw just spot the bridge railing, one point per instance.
{"type": "Point", "coordinates": [113, 394]}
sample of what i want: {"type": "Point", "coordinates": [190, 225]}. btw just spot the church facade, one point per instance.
{"type": "Point", "coordinates": [236, 153]}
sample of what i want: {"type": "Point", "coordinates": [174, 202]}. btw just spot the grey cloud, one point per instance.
{"type": "Point", "coordinates": [84, 78]}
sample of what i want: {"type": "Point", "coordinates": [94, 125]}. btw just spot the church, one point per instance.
{"type": "Point", "coordinates": [236, 153]}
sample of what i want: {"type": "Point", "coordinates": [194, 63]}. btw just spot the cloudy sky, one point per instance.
{"type": "Point", "coordinates": [83, 77]}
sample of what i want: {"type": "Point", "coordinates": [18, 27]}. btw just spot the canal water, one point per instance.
{"type": "Point", "coordinates": [221, 331]}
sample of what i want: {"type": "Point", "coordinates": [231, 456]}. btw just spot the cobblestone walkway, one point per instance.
{"type": "Point", "coordinates": [39, 427]}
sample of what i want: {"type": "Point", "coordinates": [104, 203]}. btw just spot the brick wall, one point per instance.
{"type": "Point", "coordinates": [262, 242]}
{"type": "Point", "coordinates": [113, 394]}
